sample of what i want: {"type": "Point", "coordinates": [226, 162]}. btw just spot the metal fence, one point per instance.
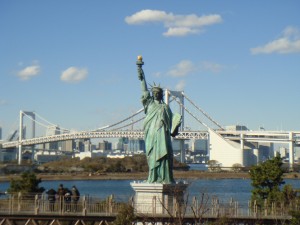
{"type": "Point", "coordinates": [38, 204]}
{"type": "Point", "coordinates": [197, 207]}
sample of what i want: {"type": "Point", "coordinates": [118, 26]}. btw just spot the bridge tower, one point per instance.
{"type": "Point", "coordinates": [291, 151]}
{"type": "Point", "coordinates": [180, 96]}
{"type": "Point", "coordinates": [21, 134]}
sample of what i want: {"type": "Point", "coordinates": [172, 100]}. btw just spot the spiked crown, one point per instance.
{"type": "Point", "coordinates": [156, 88]}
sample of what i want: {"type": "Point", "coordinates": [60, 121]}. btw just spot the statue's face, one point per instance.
{"type": "Point", "coordinates": [157, 95]}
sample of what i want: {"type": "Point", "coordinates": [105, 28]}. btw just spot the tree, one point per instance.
{"type": "Point", "coordinates": [214, 166]}
{"type": "Point", "coordinates": [125, 215]}
{"type": "Point", "coordinates": [236, 167]}
{"type": "Point", "coordinates": [266, 180]}
{"type": "Point", "coordinates": [27, 184]}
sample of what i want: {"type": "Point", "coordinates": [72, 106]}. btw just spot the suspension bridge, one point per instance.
{"type": "Point", "coordinates": [211, 130]}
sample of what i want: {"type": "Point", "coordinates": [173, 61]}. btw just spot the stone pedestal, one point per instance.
{"type": "Point", "coordinates": [155, 198]}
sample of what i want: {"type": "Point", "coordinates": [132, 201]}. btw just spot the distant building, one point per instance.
{"type": "Point", "coordinates": [283, 152]}
{"type": "Point", "coordinates": [136, 146]}
{"type": "Point", "coordinates": [122, 144]}
{"type": "Point", "coordinates": [83, 155]}
{"type": "Point", "coordinates": [236, 127]}
{"type": "Point", "coordinates": [67, 146]}
{"type": "Point", "coordinates": [7, 155]}
{"type": "Point", "coordinates": [47, 157]}
{"type": "Point", "coordinates": [200, 145]}
{"type": "Point", "coordinates": [105, 145]}
{"type": "Point", "coordinates": [297, 154]}
{"type": "Point", "coordinates": [176, 145]}
{"type": "Point", "coordinates": [0, 133]}
{"type": "Point", "coordinates": [52, 130]}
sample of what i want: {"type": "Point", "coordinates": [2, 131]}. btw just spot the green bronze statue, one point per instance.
{"type": "Point", "coordinates": [159, 125]}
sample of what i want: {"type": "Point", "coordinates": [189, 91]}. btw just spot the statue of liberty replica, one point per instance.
{"type": "Point", "coordinates": [159, 125]}
{"type": "Point", "coordinates": [160, 192]}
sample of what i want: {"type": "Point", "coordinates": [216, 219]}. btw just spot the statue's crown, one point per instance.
{"type": "Point", "coordinates": [156, 88]}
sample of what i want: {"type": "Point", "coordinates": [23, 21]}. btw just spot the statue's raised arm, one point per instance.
{"type": "Point", "coordinates": [141, 74]}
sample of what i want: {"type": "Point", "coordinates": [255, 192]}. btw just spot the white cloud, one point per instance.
{"type": "Point", "coordinates": [289, 42]}
{"type": "Point", "coordinates": [211, 67]}
{"type": "Point", "coordinates": [180, 85]}
{"type": "Point", "coordinates": [178, 25]}
{"type": "Point", "coordinates": [73, 75]}
{"type": "Point", "coordinates": [186, 67]}
{"type": "Point", "coordinates": [148, 15]}
{"type": "Point", "coordinates": [29, 72]}
{"type": "Point", "coordinates": [180, 31]}
{"type": "Point", "coordinates": [182, 69]}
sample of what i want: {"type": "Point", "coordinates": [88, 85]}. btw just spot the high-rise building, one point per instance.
{"type": "Point", "coordinates": [52, 130]}
{"type": "Point", "coordinates": [200, 145]}
{"type": "Point", "coordinates": [122, 144]}
{"type": "Point", "coordinates": [0, 133]}
{"type": "Point", "coordinates": [105, 145]}
{"type": "Point", "coordinates": [136, 146]}
{"type": "Point", "coordinates": [68, 145]}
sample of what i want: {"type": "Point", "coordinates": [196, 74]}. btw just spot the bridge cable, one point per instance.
{"type": "Point", "coordinates": [12, 129]}
{"type": "Point", "coordinates": [202, 111]}
{"type": "Point", "coordinates": [115, 124]}
{"type": "Point", "coordinates": [43, 125]}
{"type": "Point", "coordinates": [127, 125]}
{"type": "Point", "coordinates": [138, 112]}
{"type": "Point", "coordinates": [60, 128]}
{"type": "Point", "coordinates": [174, 98]}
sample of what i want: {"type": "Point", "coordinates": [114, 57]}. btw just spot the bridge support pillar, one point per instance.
{"type": "Point", "coordinates": [20, 155]}
{"type": "Point", "coordinates": [242, 141]}
{"type": "Point", "coordinates": [291, 151]}
{"type": "Point", "coordinates": [20, 138]}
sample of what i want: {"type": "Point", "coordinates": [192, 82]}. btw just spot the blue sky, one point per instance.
{"type": "Point", "coordinates": [73, 62]}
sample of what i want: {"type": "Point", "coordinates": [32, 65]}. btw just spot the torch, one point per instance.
{"type": "Point", "coordinates": [139, 64]}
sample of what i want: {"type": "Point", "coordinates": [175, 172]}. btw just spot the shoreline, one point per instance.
{"type": "Point", "coordinates": [178, 175]}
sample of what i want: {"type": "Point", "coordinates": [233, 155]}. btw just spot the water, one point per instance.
{"type": "Point", "coordinates": [198, 166]}
{"type": "Point", "coordinates": [225, 189]}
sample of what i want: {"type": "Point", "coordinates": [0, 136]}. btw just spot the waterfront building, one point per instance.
{"type": "Point", "coordinates": [7, 155]}
{"type": "Point", "coordinates": [228, 153]}
{"type": "Point", "coordinates": [90, 154]}
{"type": "Point", "coordinates": [44, 157]}
{"type": "Point", "coordinates": [283, 152]}
{"type": "Point", "coordinates": [297, 154]}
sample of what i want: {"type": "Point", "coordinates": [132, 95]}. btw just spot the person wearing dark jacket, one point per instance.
{"type": "Point", "coordinates": [51, 198]}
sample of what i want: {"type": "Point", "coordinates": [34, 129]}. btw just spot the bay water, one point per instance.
{"type": "Point", "coordinates": [224, 189]}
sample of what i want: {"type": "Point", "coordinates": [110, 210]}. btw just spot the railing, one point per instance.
{"type": "Point", "coordinates": [15, 204]}
{"type": "Point", "coordinates": [203, 207]}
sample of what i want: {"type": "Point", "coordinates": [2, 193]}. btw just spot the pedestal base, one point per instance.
{"type": "Point", "coordinates": [158, 198]}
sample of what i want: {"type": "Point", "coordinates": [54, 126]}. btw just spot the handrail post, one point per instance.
{"type": "Point", "coordinates": [19, 201]}
{"type": "Point", "coordinates": [84, 210]}
{"type": "Point", "coordinates": [36, 204]}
